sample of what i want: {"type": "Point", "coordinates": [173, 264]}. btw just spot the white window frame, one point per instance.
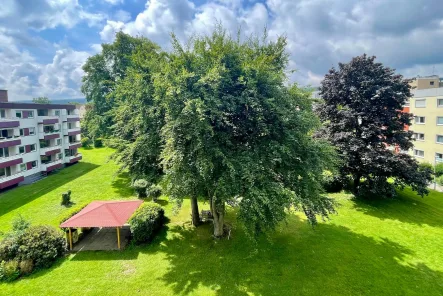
{"type": "Point", "coordinates": [35, 147]}
{"type": "Point", "coordinates": [36, 164]}
{"type": "Point", "coordinates": [33, 131]}
{"type": "Point", "coordinates": [59, 142]}
{"type": "Point", "coordinates": [23, 167]}
{"type": "Point", "coordinates": [415, 153]}
{"type": "Point", "coordinates": [418, 138]}
{"type": "Point", "coordinates": [438, 105]}
{"type": "Point", "coordinates": [4, 112]}
{"type": "Point", "coordinates": [19, 111]}
{"type": "Point", "coordinates": [420, 100]}
{"type": "Point", "coordinates": [24, 149]}
{"type": "Point", "coordinates": [30, 114]}
{"type": "Point", "coordinates": [438, 159]}
{"type": "Point", "coordinates": [418, 117]}
{"type": "Point", "coordinates": [436, 139]}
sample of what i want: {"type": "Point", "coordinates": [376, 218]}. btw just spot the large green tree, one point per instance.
{"type": "Point", "coordinates": [236, 134]}
{"type": "Point", "coordinates": [362, 111]}
{"type": "Point", "coordinates": [102, 72]}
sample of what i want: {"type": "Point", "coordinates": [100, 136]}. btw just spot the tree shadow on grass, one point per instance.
{"type": "Point", "coordinates": [22, 195]}
{"type": "Point", "coordinates": [405, 207]}
{"type": "Point", "coordinates": [329, 260]}
{"type": "Point", "coordinates": [122, 185]}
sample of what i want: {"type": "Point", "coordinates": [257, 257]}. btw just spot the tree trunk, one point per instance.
{"type": "Point", "coordinates": [195, 213]}
{"type": "Point", "coordinates": [218, 213]}
{"type": "Point", "coordinates": [356, 183]}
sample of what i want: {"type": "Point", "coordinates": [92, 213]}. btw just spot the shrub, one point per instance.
{"type": "Point", "coordinates": [41, 244]}
{"type": "Point", "coordinates": [26, 266]}
{"type": "Point", "coordinates": [439, 169]}
{"type": "Point", "coordinates": [9, 270]}
{"type": "Point", "coordinates": [8, 248]}
{"type": "Point", "coordinates": [86, 142]}
{"type": "Point", "coordinates": [440, 180]}
{"type": "Point", "coordinates": [376, 188]}
{"type": "Point", "coordinates": [331, 183]}
{"type": "Point", "coordinates": [66, 198]}
{"type": "Point", "coordinates": [154, 192]}
{"type": "Point", "coordinates": [146, 221]}
{"type": "Point", "coordinates": [20, 224]}
{"type": "Point", "coordinates": [113, 143]}
{"type": "Point", "coordinates": [140, 186]}
{"type": "Point", "coordinates": [98, 142]}
{"type": "Point", "coordinates": [72, 212]}
{"type": "Point", "coordinates": [422, 166]}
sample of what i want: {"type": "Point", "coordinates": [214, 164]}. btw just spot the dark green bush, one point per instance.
{"type": "Point", "coordinates": [376, 188]}
{"type": "Point", "coordinates": [98, 142]}
{"type": "Point", "coordinates": [146, 221]}
{"type": "Point", "coordinates": [140, 187]}
{"type": "Point", "coordinates": [9, 270]}
{"type": "Point", "coordinates": [9, 248]}
{"type": "Point", "coordinates": [66, 198]}
{"type": "Point", "coordinates": [86, 142]}
{"type": "Point", "coordinates": [154, 192]}
{"type": "Point", "coordinates": [42, 244]}
{"type": "Point", "coordinates": [331, 183]}
{"type": "Point", "coordinates": [439, 169]}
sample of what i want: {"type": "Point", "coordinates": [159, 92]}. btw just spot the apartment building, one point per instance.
{"type": "Point", "coordinates": [427, 107]}
{"type": "Point", "coordinates": [36, 139]}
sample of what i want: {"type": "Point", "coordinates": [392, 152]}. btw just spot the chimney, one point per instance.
{"type": "Point", "coordinates": [3, 96]}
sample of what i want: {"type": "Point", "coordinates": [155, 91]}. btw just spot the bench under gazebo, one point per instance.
{"type": "Point", "coordinates": [104, 215]}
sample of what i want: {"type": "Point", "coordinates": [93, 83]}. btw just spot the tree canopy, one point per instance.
{"type": "Point", "coordinates": [362, 113]}
{"type": "Point", "coordinates": [41, 100]}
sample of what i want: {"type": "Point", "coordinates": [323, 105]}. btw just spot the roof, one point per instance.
{"type": "Point", "coordinates": [11, 105]}
{"type": "Point", "coordinates": [103, 214]}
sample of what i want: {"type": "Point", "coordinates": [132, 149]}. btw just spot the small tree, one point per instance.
{"type": "Point", "coordinates": [362, 113]}
{"type": "Point", "coordinates": [41, 100]}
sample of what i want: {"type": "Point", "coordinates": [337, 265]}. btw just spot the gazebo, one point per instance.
{"type": "Point", "coordinates": [103, 214]}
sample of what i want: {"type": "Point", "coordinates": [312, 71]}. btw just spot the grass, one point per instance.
{"type": "Point", "coordinates": [384, 247]}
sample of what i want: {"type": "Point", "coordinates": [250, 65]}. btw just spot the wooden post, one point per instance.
{"type": "Point", "coordinates": [70, 239]}
{"type": "Point", "coordinates": [118, 237]}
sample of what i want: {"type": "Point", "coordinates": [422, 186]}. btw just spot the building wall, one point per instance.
{"type": "Point", "coordinates": [430, 129]}
{"type": "Point", "coordinates": [425, 83]}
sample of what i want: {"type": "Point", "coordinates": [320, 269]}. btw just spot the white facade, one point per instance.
{"type": "Point", "coordinates": [36, 138]}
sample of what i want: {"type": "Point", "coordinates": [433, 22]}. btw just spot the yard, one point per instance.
{"type": "Point", "coordinates": [388, 247]}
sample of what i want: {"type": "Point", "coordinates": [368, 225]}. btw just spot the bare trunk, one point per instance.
{"type": "Point", "coordinates": [356, 183]}
{"type": "Point", "coordinates": [195, 213]}
{"type": "Point", "coordinates": [218, 213]}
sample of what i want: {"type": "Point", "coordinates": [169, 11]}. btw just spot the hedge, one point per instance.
{"type": "Point", "coordinates": [146, 221]}
{"type": "Point", "coordinates": [72, 212]}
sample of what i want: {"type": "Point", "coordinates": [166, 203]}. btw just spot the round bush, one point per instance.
{"type": "Point", "coordinates": [146, 221]}
{"type": "Point", "coordinates": [331, 183]}
{"type": "Point", "coordinates": [439, 169]}
{"type": "Point", "coordinates": [154, 192]}
{"type": "Point", "coordinates": [140, 186]}
{"type": "Point", "coordinates": [26, 266]}
{"type": "Point", "coordinates": [41, 244]}
{"type": "Point", "coordinates": [9, 270]}
{"type": "Point", "coordinates": [422, 166]}
{"type": "Point", "coordinates": [98, 142]}
{"type": "Point", "coordinates": [85, 142]}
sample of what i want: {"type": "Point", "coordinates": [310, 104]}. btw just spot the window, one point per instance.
{"type": "Point", "coordinates": [420, 103]}
{"type": "Point", "coordinates": [21, 149]}
{"type": "Point", "coordinates": [57, 112]}
{"type": "Point", "coordinates": [4, 152]}
{"type": "Point", "coordinates": [440, 139]}
{"type": "Point", "coordinates": [420, 119]}
{"type": "Point", "coordinates": [22, 167]}
{"type": "Point", "coordinates": [34, 164]}
{"type": "Point", "coordinates": [59, 156]}
{"type": "Point", "coordinates": [5, 172]}
{"type": "Point", "coordinates": [431, 82]}
{"type": "Point", "coordinates": [419, 136]}
{"type": "Point", "coordinates": [42, 112]}
{"type": "Point", "coordinates": [22, 132]}
{"type": "Point", "coordinates": [18, 114]}
{"type": "Point", "coordinates": [439, 102]}
{"type": "Point", "coordinates": [439, 157]}
{"type": "Point", "coordinates": [59, 142]}
{"type": "Point", "coordinates": [32, 131]}
{"type": "Point", "coordinates": [30, 114]}
{"type": "Point", "coordinates": [419, 153]}
{"type": "Point", "coordinates": [33, 147]}
{"type": "Point", "coordinates": [3, 113]}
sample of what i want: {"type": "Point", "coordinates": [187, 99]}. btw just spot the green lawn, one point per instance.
{"type": "Point", "coordinates": [390, 247]}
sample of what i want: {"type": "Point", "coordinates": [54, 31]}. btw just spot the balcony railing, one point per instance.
{"type": "Point", "coordinates": [10, 157]}
{"type": "Point", "coordinates": [10, 138]}
{"type": "Point", "coordinates": [11, 177]}
{"type": "Point", "coordinates": [50, 148]}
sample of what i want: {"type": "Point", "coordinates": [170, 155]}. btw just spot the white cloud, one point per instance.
{"type": "Point", "coordinates": [122, 15]}
{"type": "Point", "coordinates": [114, 2]}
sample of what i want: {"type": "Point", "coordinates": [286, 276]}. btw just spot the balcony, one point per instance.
{"type": "Point", "coordinates": [10, 160]}
{"type": "Point", "coordinates": [72, 131]}
{"type": "Point", "coordinates": [73, 158]}
{"type": "Point", "coordinates": [50, 150]}
{"type": "Point", "coordinates": [53, 165]}
{"type": "Point", "coordinates": [47, 119]}
{"type": "Point", "coordinates": [72, 118]}
{"type": "Point", "coordinates": [72, 145]}
{"type": "Point", "coordinates": [9, 122]}
{"type": "Point", "coordinates": [11, 180]}
{"type": "Point", "coordinates": [10, 141]}
{"type": "Point", "coordinates": [54, 134]}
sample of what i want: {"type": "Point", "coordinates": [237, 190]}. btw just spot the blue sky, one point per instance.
{"type": "Point", "coordinates": [44, 43]}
